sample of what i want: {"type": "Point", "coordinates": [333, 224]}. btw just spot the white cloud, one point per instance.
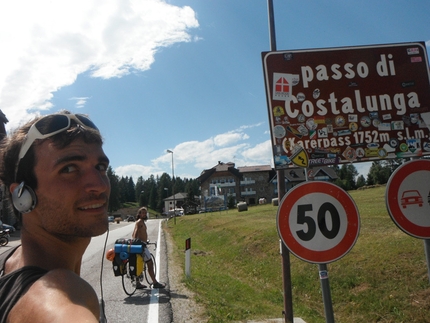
{"type": "Point", "coordinates": [228, 146]}
{"type": "Point", "coordinates": [231, 146]}
{"type": "Point", "coordinates": [47, 44]}
{"type": "Point", "coordinates": [259, 154]}
{"type": "Point", "coordinates": [210, 159]}
{"type": "Point", "coordinates": [250, 126]}
{"type": "Point", "coordinates": [189, 151]}
{"type": "Point", "coordinates": [234, 136]}
{"type": "Point", "coordinates": [200, 154]}
{"type": "Point", "coordinates": [80, 102]}
{"type": "Point", "coordinates": [229, 138]}
{"type": "Point", "coordinates": [136, 171]}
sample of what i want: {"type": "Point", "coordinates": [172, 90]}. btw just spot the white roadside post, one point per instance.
{"type": "Point", "coordinates": [188, 257]}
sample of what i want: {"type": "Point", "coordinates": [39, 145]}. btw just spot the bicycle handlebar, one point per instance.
{"type": "Point", "coordinates": [152, 243]}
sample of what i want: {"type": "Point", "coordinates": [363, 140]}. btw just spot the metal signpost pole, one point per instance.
{"type": "Point", "coordinates": [173, 187]}
{"type": "Point", "coordinates": [325, 287]}
{"type": "Point", "coordinates": [288, 294]}
{"type": "Point", "coordinates": [188, 257]}
{"type": "Point", "coordinates": [286, 265]}
{"type": "Point", "coordinates": [272, 34]}
{"type": "Point", "coordinates": [427, 251]}
{"type": "Point", "coordinates": [319, 243]}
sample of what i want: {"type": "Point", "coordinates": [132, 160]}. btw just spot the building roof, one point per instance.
{"type": "Point", "coordinates": [223, 167]}
{"type": "Point", "coordinates": [295, 174]}
{"type": "Point", "coordinates": [298, 174]}
{"type": "Point", "coordinates": [291, 174]}
{"type": "Point", "coordinates": [219, 168]}
{"type": "Point", "coordinates": [259, 168]}
{"type": "Point", "coordinates": [177, 196]}
{"type": "Point", "coordinates": [328, 171]}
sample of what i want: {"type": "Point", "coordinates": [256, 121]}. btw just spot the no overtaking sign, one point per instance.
{"type": "Point", "coordinates": [408, 198]}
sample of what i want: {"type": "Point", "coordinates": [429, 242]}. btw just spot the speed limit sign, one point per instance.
{"type": "Point", "coordinates": [318, 222]}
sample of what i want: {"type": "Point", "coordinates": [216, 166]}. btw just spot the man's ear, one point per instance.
{"type": "Point", "coordinates": [12, 187]}
{"type": "Point", "coordinates": [23, 197]}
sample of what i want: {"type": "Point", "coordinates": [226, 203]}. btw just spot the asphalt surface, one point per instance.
{"type": "Point", "coordinates": [115, 296]}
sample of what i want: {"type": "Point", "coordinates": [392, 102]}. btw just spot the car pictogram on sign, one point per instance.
{"type": "Point", "coordinates": [411, 197]}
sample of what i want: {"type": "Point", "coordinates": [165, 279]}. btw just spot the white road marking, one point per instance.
{"type": "Point", "coordinates": [153, 300]}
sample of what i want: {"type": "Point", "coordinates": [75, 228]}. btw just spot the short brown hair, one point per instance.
{"type": "Point", "coordinates": [141, 209]}
{"type": "Point", "coordinates": [10, 147]}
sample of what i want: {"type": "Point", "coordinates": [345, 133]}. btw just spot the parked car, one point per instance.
{"type": "Point", "coordinates": [111, 218]}
{"type": "Point", "coordinates": [130, 218]}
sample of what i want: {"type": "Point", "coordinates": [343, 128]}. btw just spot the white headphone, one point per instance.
{"type": "Point", "coordinates": [24, 199]}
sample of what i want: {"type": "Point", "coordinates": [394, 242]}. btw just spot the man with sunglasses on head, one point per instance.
{"type": "Point", "coordinates": [54, 168]}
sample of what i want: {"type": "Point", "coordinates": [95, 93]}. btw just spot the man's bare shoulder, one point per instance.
{"type": "Point", "coordinates": [140, 223]}
{"type": "Point", "coordinates": [59, 296]}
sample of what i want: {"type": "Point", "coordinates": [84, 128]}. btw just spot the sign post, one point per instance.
{"type": "Point", "coordinates": [348, 104]}
{"type": "Point", "coordinates": [286, 266]}
{"type": "Point", "coordinates": [325, 288]}
{"type": "Point", "coordinates": [188, 257]}
{"type": "Point", "coordinates": [408, 201]}
{"type": "Point", "coordinates": [319, 223]}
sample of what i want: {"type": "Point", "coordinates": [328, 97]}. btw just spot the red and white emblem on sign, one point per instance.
{"type": "Point", "coordinates": [282, 86]}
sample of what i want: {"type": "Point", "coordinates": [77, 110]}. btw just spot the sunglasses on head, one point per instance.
{"type": "Point", "coordinates": [49, 126]}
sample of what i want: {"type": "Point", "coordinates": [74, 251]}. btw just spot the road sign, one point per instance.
{"type": "Point", "coordinates": [349, 104]}
{"type": "Point", "coordinates": [408, 196]}
{"type": "Point", "coordinates": [318, 222]}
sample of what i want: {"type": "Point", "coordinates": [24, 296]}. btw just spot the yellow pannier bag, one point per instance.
{"type": "Point", "coordinates": [139, 264]}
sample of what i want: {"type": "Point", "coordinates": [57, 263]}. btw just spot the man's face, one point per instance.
{"type": "Point", "coordinates": [144, 214]}
{"type": "Point", "coordinates": [73, 189]}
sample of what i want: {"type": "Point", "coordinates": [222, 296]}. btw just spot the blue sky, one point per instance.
{"type": "Point", "coordinates": [183, 75]}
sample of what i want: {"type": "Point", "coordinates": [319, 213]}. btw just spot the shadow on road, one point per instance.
{"type": "Point", "coordinates": [142, 296]}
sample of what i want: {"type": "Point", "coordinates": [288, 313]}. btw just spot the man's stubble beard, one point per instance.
{"type": "Point", "coordinates": [63, 221]}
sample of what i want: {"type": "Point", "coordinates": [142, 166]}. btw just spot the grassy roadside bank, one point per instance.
{"type": "Point", "coordinates": [236, 269]}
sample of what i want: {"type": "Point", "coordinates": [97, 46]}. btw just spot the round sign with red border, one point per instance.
{"type": "Point", "coordinates": [408, 198]}
{"type": "Point", "coordinates": [318, 222]}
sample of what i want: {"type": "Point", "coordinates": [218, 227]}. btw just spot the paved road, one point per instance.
{"type": "Point", "coordinates": [152, 306]}
{"type": "Point", "coordinates": [149, 305]}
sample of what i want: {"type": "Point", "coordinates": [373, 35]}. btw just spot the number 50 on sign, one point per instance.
{"type": "Point", "coordinates": [318, 222]}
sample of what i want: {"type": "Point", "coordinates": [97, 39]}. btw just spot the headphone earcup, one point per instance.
{"type": "Point", "coordinates": [23, 198]}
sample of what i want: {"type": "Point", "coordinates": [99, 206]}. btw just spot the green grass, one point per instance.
{"type": "Point", "coordinates": [236, 270]}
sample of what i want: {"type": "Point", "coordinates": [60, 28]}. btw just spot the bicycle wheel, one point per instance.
{"type": "Point", "coordinates": [128, 281]}
{"type": "Point", "coordinates": [147, 277]}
